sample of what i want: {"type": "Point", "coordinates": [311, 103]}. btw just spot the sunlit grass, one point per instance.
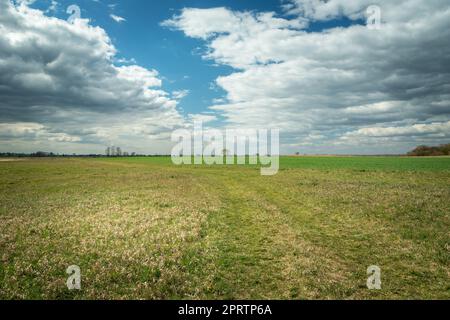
{"type": "Point", "coordinates": [141, 228]}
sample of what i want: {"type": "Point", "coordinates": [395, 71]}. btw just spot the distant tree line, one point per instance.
{"type": "Point", "coordinates": [426, 151]}
{"type": "Point", "coordinates": [41, 154]}
{"type": "Point", "coordinates": [117, 152]}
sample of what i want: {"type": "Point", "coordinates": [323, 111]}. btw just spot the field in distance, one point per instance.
{"type": "Point", "coordinates": [142, 228]}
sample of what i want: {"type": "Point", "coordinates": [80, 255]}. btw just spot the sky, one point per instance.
{"type": "Point", "coordinates": [129, 73]}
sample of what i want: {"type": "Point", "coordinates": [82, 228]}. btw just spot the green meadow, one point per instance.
{"type": "Point", "coordinates": [142, 228]}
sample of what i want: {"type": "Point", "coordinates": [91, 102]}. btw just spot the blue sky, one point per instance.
{"type": "Point", "coordinates": [177, 58]}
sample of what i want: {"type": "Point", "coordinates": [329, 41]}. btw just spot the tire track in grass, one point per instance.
{"type": "Point", "coordinates": [259, 255]}
{"type": "Point", "coordinates": [355, 232]}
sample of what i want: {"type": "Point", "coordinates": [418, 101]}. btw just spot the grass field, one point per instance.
{"type": "Point", "coordinates": [141, 228]}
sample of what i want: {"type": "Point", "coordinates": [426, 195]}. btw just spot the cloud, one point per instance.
{"type": "Point", "coordinates": [230, 33]}
{"type": "Point", "coordinates": [327, 10]}
{"type": "Point", "coordinates": [20, 129]}
{"type": "Point", "coordinates": [202, 118]}
{"type": "Point", "coordinates": [322, 85]}
{"type": "Point", "coordinates": [59, 83]}
{"type": "Point", "coordinates": [33, 131]}
{"type": "Point", "coordinates": [433, 129]}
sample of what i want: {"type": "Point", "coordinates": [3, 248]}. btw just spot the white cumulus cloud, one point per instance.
{"type": "Point", "coordinates": [324, 84]}
{"type": "Point", "coordinates": [60, 88]}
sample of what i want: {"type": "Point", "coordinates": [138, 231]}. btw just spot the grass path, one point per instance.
{"type": "Point", "coordinates": [262, 255]}
{"type": "Point", "coordinates": [276, 241]}
{"type": "Point", "coordinates": [254, 245]}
